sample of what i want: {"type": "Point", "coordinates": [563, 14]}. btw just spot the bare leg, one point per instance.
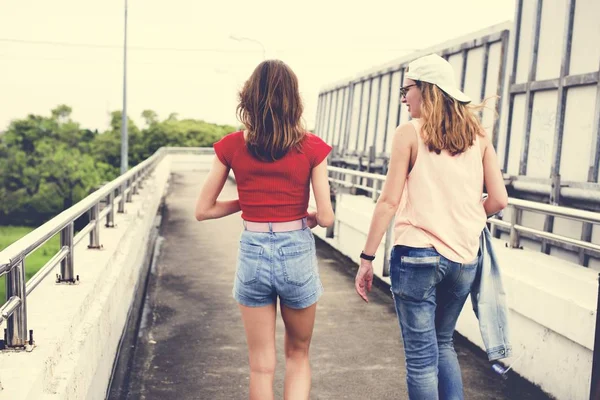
{"type": "Point", "coordinates": [259, 323]}
{"type": "Point", "coordinates": [298, 333]}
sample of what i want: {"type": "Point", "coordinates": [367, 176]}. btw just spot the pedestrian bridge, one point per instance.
{"type": "Point", "coordinates": [139, 305]}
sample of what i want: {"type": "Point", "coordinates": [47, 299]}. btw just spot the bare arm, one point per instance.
{"type": "Point", "coordinates": [207, 206]}
{"type": "Point", "coordinates": [389, 200]}
{"type": "Point", "coordinates": [320, 185]}
{"type": "Point", "coordinates": [494, 181]}
{"type": "Point", "coordinates": [405, 140]}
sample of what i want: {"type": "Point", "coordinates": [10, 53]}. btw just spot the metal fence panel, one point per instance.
{"type": "Point", "coordinates": [372, 114]}
{"type": "Point", "coordinates": [337, 118]}
{"type": "Point", "coordinates": [373, 109]}
{"type": "Point", "coordinates": [524, 37]}
{"type": "Point", "coordinates": [561, 91]}
{"type": "Point", "coordinates": [585, 51]}
{"type": "Point", "coordinates": [395, 106]}
{"type": "Point", "coordinates": [515, 142]}
{"type": "Point", "coordinates": [552, 26]}
{"type": "Point", "coordinates": [475, 69]}
{"type": "Point", "coordinates": [543, 123]}
{"type": "Point", "coordinates": [578, 130]}
{"type": "Point", "coordinates": [492, 89]}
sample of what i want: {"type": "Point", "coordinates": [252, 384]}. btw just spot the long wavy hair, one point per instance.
{"type": "Point", "coordinates": [270, 107]}
{"type": "Point", "coordinates": [447, 123]}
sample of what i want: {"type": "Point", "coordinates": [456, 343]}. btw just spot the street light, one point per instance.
{"type": "Point", "coordinates": [240, 39]}
{"type": "Point", "coordinates": [124, 139]}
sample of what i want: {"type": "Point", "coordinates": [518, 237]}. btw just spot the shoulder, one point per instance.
{"type": "Point", "coordinates": [315, 149]}
{"type": "Point", "coordinates": [232, 137]}
{"type": "Point", "coordinates": [484, 142]}
{"type": "Point", "coordinates": [227, 146]}
{"type": "Point", "coordinates": [312, 138]}
{"type": "Point", "coordinates": [406, 133]}
{"type": "Point", "coordinates": [313, 141]}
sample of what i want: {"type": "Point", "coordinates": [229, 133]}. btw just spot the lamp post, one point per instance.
{"type": "Point", "coordinates": [241, 38]}
{"type": "Point", "coordinates": [124, 138]}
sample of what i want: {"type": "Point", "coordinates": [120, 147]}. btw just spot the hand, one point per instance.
{"type": "Point", "coordinates": [311, 219]}
{"type": "Point", "coordinates": [364, 279]}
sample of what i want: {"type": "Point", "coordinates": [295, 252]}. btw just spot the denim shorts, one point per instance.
{"type": "Point", "coordinates": [277, 264]}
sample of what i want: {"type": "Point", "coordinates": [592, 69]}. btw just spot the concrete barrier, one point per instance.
{"type": "Point", "coordinates": [77, 328]}
{"type": "Point", "coordinates": [552, 305]}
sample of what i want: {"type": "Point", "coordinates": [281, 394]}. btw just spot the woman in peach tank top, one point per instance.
{"type": "Point", "coordinates": [440, 162]}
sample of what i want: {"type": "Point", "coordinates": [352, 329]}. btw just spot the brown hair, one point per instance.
{"type": "Point", "coordinates": [270, 107]}
{"type": "Point", "coordinates": [447, 123]}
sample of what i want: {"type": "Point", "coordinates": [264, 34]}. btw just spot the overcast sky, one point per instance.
{"type": "Point", "coordinates": [182, 59]}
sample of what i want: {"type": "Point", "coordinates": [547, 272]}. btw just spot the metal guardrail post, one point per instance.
{"type": "Point", "coordinates": [143, 175]}
{"type": "Point", "coordinates": [376, 185]}
{"type": "Point", "coordinates": [129, 194]}
{"type": "Point", "coordinates": [586, 236]}
{"type": "Point", "coordinates": [515, 219]}
{"type": "Point", "coordinates": [66, 265]}
{"type": "Point", "coordinates": [494, 230]}
{"type": "Point", "coordinates": [110, 202]}
{"type": "Point", "coordinates": [135, 182]}
{"type": "Point", "coordinates": [372, 157]}
{"type": "Point", "coordinates": [549, 219]}
{"type": "Point", "coordinates": [388, 247]}
{"type": "Point", "coordinates": [95, 232]}
{"type": "Point", "coordinates": [595, 383]}
{"type": "Point", "coordinates": [16, 326]}
{"type": "Point", "coordinates": [121, 209]}
{"type": "Point", "coordinates": [329, 231]}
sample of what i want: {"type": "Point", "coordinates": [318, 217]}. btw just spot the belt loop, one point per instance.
{"type": "Point", "coordinates": [245, 226]}
{"type": "Point", "coordinates": [270, 227]}
{"type": "Point", "coordinates": [304, 223]}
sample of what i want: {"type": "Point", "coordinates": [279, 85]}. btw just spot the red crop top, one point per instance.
{"type": "Point", "coordinates": [272, 191]}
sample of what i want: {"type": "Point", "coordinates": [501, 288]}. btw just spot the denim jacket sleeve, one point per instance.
{"type": "Point", "coordinates": [489, 301]}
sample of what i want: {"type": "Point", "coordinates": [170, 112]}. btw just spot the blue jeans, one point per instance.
{"type": "Point", "coordinates": [429, 293]}
{"type": "Point", "coordinates": [277, 264]}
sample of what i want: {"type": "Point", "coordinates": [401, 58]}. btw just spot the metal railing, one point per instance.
{"type": "Point", "coordinates": [120, 191]}
{"type": "Point", "coordinates": [374, 183]}
{"type": "Point", "coordinates": [12, 259]}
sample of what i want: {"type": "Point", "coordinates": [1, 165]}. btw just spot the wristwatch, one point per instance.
{"type": "Point", "coordinates": [366, 256]}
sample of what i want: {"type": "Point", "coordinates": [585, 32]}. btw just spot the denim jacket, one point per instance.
{"type": "Point", "coordinates": [489, 301]}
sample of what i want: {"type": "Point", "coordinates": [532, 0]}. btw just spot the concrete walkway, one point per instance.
{"type": "Point", "coordinates": [192, 344]}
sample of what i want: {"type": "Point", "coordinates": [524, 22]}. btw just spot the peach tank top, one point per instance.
{"type": "Point", "coordinates": [441, 204]}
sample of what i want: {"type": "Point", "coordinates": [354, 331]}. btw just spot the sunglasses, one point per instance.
{"type": "Point", "coordinates": [404, 90]}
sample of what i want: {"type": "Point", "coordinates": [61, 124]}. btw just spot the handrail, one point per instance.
{"type": "Point", "coordinates": [28, 243]}
{"type": "Point", "coordinates": [514, 226]}
{"type": "Point", "coordinates": [12, 258]}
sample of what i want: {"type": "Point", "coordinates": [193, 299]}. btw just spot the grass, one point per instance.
{"type": "Point", "coordinates": [35, 260]}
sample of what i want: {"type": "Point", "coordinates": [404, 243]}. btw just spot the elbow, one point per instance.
{"type": "Point", "coordinates": [326, 220]}
{"type": "Point", "coordinates": [389, 203]}
{"type": "Point", "coordinates": [204, 210]}
{"type": "Point", "coordinates": [503, 203]}
{"type": "Point", "coordinates": [201, 215]}
{"type": "Point", "coordinates": [502, 200]}
{"type": "Point", "coordinates": [495, 205]}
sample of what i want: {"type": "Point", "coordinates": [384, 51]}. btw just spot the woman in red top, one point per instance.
{"type": "Point", "coordinates": [274, 161]}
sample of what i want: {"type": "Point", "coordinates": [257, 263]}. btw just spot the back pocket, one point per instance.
{"type": "Point", "coordinates": [298, 263]}
{"type": "Point", "coordinates": [248, 262]}
{"type": "Point", "coordinates": [416, 277]}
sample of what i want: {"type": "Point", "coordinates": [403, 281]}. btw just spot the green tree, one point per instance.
{"type": "Point", "coordinates": [71, 173]}
{"type": "Point", "coordinates": [45, 166]}
{"type": "Point", "coordinates": [49, 163]}
{"type": "Point", "coordinates": [61, 112]}
{"type": "Point", "coordinates": [150, 117]}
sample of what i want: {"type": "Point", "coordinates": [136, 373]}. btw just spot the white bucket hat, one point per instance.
{"type": "Point", "coordinates": [434, 69]}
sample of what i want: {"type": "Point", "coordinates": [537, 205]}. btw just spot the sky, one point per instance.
{"type": "Point", "coordinates": [183, 58]}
